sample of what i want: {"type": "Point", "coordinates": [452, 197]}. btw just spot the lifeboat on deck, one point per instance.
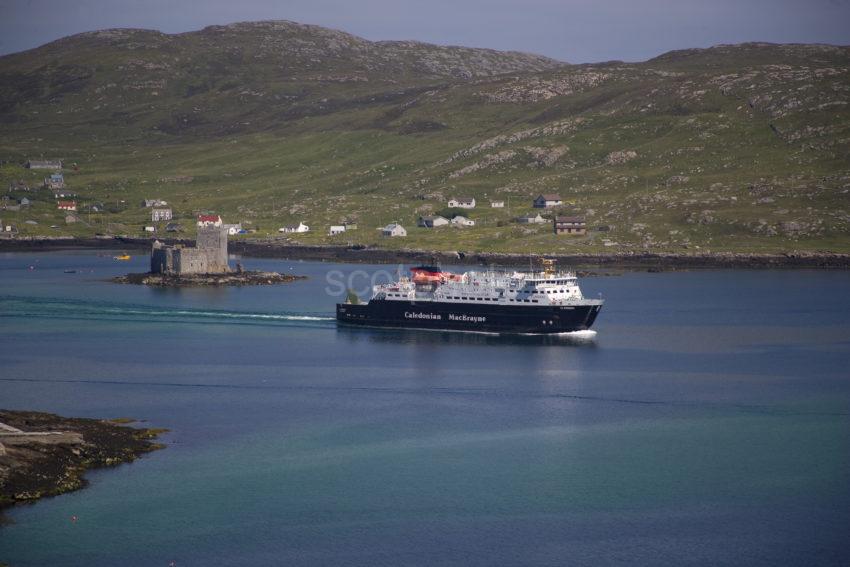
{"type": "Point", "coordinates": [426, 275]}
{"type": "Point", "coordinates": [432, 275]}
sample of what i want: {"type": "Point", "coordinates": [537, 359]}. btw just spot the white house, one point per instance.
{"type": "Point", "coordinates": [462, 203]}
{"type": "Point", "coordinates": [232, 228]}
{"type": "Point", "coordinates": [160, 215]}
{"type": "Point", "coordinates": [295, 228]}
{"type": "Point", "coordinates": [531, 219]}
{"type": "Point", "coordinates": [497, 204]}
{"type": "Point", "coordinates": [150, 229]}
{"type": "Point", "coordinates": [548, 200]}
{"type": "Point", "coordinates": [147, 203]}
{"type": "Point", "coordinates": [461, 220]}
{"type": "Point", "coordinates": [336, 229]}
{"type": "Point", "coordinates": [393, 229]}
{"type": "Point", "coordinates": [432, 221]}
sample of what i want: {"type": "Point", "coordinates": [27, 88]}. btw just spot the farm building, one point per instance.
{"type": "Point", "coordinates": [44, 164]}
{"type": "Point", "coordinates": [461, 220]}
{"type": "Point", "coordinates": [55, 181]}
{"type": "Point", "coordinates": [432, 221]}
{"type": "Point", "coordinates": [531, 219]}
{"type": "Point", "coordinates": [570, 225]}
{"type": "Point", "coordinates": [462, 203]}
{"type": "Point", "coordinates": [548, 200]}
{"type": "Point", "coordinates": [295, 228]}
{"type": "Point", "coordinates": [393, 229]}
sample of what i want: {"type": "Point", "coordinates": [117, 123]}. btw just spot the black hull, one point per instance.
{"type": "Point", "coordinates": [470, 317]}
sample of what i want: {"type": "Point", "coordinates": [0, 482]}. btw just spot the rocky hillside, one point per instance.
{"type": "Point", "coordinates": [737, 147]}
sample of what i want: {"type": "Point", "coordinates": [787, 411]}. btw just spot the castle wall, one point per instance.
{"type": "Point", "coordinates": [209, 256]}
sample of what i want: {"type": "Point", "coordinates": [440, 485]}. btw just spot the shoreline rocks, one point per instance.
{"type": "Point", "coordinates": [43, 454]}
{"type": "Point", "coordinates": [375, 255]}
{"type": "Point", "coordinates": [193, 280]}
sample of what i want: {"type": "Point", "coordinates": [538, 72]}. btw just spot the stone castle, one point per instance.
{"type": "Point", "coordinates": [208, 256]}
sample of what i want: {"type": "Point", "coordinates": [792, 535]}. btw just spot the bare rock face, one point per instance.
{"type": "Point", "coordinates": [620, 157]}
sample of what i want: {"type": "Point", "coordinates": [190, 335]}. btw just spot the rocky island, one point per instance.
{"type": "Point", "coordinates": [43, 454]}
{"type": "Point", "coordinates": [191, 280]}
{"type": "Point", "coordinates": [177, 265]}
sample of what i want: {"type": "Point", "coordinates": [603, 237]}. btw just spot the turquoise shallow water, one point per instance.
{"type": "Point", "coordinates": [708, 423]}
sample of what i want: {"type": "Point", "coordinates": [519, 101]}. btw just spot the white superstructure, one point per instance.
{"type": "Point", "coordinates": [548, 287]}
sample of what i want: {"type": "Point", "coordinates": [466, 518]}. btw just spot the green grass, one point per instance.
{"type": "Point", "coordinates": [710, 172]}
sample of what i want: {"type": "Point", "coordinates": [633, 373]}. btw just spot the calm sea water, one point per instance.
{"type": "Point", "coordinates": [708, 423]}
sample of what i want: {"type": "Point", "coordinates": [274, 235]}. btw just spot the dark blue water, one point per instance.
{"type": "Point", "coordinates": [708, 423]}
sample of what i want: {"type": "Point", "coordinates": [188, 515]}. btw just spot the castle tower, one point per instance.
{"type": "Point", "coordinates": [212, 243]}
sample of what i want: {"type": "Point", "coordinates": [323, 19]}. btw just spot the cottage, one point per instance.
{"type": "Point", "coordinates": [66, 205]}
{"type": "Point", "coordinates": [150, 229]}
{"type": "Point", "coordinates": [497, 204]}
{"type": "Point", "coordinates": [232, 228]}
{"type": "Point", "coordinates": [547, 201]}
{"type": "Point", "coordinates": [71, 218]}
{"type": "Point", "coordinates": [173, 227]}
{"type": "Point", "coordinates": [336, 229]}
{"type": "Point", "coordinates": [462, 203]}
{"type": "Point", "coordinates": [161, 215]}
{"type": "Point", "coordinates": [148, 203]}
{"type": "Point", "coordinates": [570, 225]}
{"type": "Point", "coordinates": [19, 185]}
{"type": "Point", "coordinates": [393, 229]}
{"type": "Point", "coordinates": [432, 221]}
{"type": "Point", "coordinates": [25, 202]}
{"type": "Point", "coordinates": [461, 220]}
{"type": "Point", "coordinates": [55, 181]}
{"type": "Point", "coordinates": [531, 219]}
{"type": "Point", "coordinates": [63, 194]}
{"type": "Point", "coordinates": [43, 164]}
{"type": "Point", "coordinates": [209, 220]}
{"type": "Point", "coordinates": [295, 228]}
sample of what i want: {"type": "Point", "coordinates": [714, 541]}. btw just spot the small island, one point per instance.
{"type": "Point", "coordinates": [191, 280]}
{"type": "Point", "coordinates": [43, 454]}
{"type": "Point", "coordinates": [176, 265]}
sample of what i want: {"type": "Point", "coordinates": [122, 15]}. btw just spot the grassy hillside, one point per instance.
{"type": "Point", "coordinates": [743, 147]}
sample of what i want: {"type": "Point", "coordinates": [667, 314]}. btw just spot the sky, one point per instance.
{"type": "Point", "coordinates": [577, 31]}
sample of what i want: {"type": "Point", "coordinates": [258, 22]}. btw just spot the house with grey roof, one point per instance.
{"type": "Point", "coordinates": [393, 229]}
{"type": "Point", "coordinates": [432, 221]}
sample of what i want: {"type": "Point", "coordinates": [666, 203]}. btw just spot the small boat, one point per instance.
{"type": "Point", "coordinates": [123, 257]}
{"type": "Point", "coordinates": [70, 271]}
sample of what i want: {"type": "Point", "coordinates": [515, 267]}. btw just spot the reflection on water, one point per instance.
{"type": "Point", "coordinates": [706, 424]}
{"type": "Point", "coordinates": [400, 336]}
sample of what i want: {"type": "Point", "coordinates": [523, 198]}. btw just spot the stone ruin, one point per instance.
{"type": "Point", "coordinates": [208, 256]}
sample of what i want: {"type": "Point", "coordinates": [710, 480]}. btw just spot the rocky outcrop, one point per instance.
{"type": "Point", "coordinates": [42, 454]}
{"type": "Point", "coordinates": [194, 280]}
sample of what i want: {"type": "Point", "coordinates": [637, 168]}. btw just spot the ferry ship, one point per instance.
{"type": "Point", "coordinates": [547, 301]}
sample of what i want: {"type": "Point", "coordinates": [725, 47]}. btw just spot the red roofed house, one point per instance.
{"type": "Point", "coordinates": [209, 220]}
{"type": "Point", "coordinates": [66, 205]}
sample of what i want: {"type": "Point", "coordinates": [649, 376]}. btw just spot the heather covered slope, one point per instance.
{"type": "Point", "coordinates": [742, 147]}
